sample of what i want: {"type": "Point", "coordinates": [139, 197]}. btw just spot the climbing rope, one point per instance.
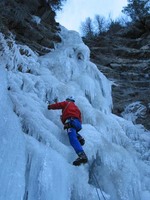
{"type": "Point", "coordinates": [99, 188]}
{"type": "Point", "coordinates": [95, 178]}
{"type": "Point", "coordinates": [97, 193]}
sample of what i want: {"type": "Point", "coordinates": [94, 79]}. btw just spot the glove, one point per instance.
{"type": "Point", "coordinates": [49, 107]}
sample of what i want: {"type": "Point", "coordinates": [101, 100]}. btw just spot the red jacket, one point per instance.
{"type": "Point", "coordinates": [69, 109]}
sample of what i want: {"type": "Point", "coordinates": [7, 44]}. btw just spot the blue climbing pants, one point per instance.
{"type": "Point", "coordinates": [72, 134]}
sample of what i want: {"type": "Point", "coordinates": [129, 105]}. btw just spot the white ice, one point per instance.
{"type": "Point", "coordinates": [35, 154]}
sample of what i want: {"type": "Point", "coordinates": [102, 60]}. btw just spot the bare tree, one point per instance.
{"type": "Point", "coordinates": [100, 24]}
{"type": "Point", "coordinates": [87, 28]}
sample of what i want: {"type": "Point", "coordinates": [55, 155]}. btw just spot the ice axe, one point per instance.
{"type": "Point", "coordinates": [55, 100]}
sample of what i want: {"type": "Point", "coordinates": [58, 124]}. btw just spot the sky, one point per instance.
{"type": "Point", "coordinates": [76, 11]}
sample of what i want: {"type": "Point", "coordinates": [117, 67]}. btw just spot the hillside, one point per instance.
{"type": "Point", "coordinates": [126, 61]}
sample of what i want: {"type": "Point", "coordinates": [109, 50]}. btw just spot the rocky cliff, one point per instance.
{"type": "Point", "coordinates": [126, 61]}
{"type": "Point", "coordinates": [31, 23]}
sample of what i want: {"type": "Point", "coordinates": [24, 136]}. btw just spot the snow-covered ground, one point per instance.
{"type": "Point", "coordinates": [35, 154]}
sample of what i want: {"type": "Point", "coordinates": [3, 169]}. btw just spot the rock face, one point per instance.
{"type": "Point", "coordinates": [31, 23]}
{"type": "Point", "coordinates": [126, 62]}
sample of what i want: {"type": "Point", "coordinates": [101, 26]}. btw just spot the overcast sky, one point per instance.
{"type": "Point", "coordinates": [76, 11]}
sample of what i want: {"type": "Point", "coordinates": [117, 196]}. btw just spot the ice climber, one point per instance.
{"type": "Point", "coordinates": [71, 118]}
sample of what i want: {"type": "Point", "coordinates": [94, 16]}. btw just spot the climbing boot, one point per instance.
{"type": "Point", "coordinates": [82, 159]}
{"type": "Point", "coordinates": [81, 139]}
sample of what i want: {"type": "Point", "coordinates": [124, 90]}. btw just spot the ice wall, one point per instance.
{"type": "Point", "coordinates": [37, 147]}
{"type": "Point", "coordinates": [12, 146]}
